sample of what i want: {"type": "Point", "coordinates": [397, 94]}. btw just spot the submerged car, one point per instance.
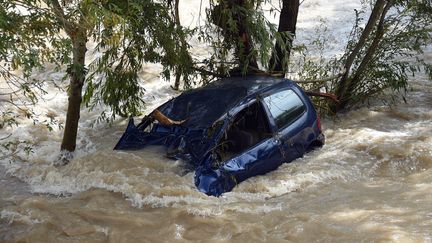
{"type": "Point", "coordinates": [231, 129]}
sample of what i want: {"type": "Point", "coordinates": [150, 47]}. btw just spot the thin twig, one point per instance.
{"type": "Point", "coordinates": [208, 72]}
{"type": "Point", "coordinates": [321, 80]}
{"type": "Point", "coordinates": [9, 155]}
{"type": "Point", "coordinates": [4, 138]}
{"type": "Point", "coordinates": [69, 27]}
{"type": "Point", "coordinates": [257, 71]}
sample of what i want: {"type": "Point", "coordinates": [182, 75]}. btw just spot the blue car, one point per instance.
{"type": "Point", "coordinates": [231, 129]}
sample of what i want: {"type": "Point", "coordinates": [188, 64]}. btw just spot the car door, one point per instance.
{"type": "Point", "coordinates": [288, 112]}
{"type": "Point", "coordinates": [261, 158]}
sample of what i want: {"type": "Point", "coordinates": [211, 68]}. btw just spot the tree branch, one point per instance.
{"type": "Point", "coordinates": [374, 17]}
{"type": "Point", "coordinates": [206, 72]}
{"type": "Point", "coordinates": [4, 138]}
{"type": "Point", "coordinates": [333, 97]}
{"type": "Point", "coordinates": [320, 80]}
{"type": "Point", "coordinates": [28, 6]}
{"type": "Point", "coordinates": [156, 114]}
{"type": "Point", "coordinates": [69, 27]}
{"type": "Point", "coordinates": [8, 155]}
{"type": "Point", "coordinates": [373, 47]}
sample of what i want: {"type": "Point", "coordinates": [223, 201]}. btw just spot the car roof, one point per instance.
{"type": "Point", "coordinates": [251, 84]}
{"type": "Point", "coordinates": [201, 107]}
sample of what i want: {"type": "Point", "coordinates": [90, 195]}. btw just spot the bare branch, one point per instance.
{"type": "Point", "coordinates": [372, 21]}
{"type": "Point", "coordinates": [164, 119]}
{"type": "Point", "coordinates": [4, 138]}
{"type": "Point", "coordinates": [32, 7]}
{"type": "Point", "coordinates": [332, 97]}
{"type": "Point", "coordinates": [373, 47]}
{"type": "Point", "coordinates": [206, 72]}
{"type": "Point", "coordinates": [321, 80]}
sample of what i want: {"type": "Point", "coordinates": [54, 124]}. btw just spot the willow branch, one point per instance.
{"type": "Point", "coordinates": [321, 80]}
{"type": "Point", "coordinates": [206, 72]}
{"type": "Point", "coordinates": [58, 10]}
{"type": "Point", "coordinates": [374, 46]}
{"type": "Point", "coordinates": [342, 87]}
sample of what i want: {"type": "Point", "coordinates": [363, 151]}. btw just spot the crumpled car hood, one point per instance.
{"type": "Point", "coordinates": [189, 144]}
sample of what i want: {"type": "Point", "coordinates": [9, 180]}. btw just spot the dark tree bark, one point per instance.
{"type": "Point", "coordinates": [77, 32]}
{"type": "Point", "coordinates": [372, 48]}
{"type": "Point", "coordinates": [246, 48]}
{"type": "Point", "coordinates": [241, 40]}
{"type": "Point", "coordinates": [342, 90]}
{"type": "Point", "coordinates": [77, 77]}
{"type": "Point", "coordinates": [177, 22]}
{"type": "Point", "coordinates": [287, 23]}
{"type": "Point", "coordinates": [186, 61]}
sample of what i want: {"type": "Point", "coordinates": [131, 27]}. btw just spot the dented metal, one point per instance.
{"type": "Point", "coordinates": [230, 118]}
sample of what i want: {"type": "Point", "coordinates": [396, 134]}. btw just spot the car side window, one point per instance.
{"type": "Point", "coordinates": [285, 107]}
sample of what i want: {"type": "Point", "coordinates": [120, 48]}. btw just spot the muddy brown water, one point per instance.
{"type": "Point", "coordinates": [372, 181]}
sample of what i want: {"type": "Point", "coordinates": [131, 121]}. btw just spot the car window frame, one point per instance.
{"type": "Point", "coordinates": [272, 118]}
{"type": "Point", "coordinates": [230, 119]}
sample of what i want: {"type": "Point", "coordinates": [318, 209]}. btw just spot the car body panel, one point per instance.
{"type": "Point", "coordinates": [210, 113]}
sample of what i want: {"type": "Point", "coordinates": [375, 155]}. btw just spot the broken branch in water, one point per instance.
{"type": "Point", "coordinates": [325, 95]}
{"type": "Point", "coordinates": [156, 114]}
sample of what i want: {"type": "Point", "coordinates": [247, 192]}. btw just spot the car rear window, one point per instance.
{"type": "Point", "coordinates": [285, 107]}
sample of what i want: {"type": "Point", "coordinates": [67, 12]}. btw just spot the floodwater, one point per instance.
{"type": "Point", "coordinates": [372, 181]}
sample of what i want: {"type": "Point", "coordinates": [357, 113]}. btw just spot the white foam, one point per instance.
{"type": "Point", "coordinates": [13, 216]}
{"type": "Point", "coordinates": [147, 182]}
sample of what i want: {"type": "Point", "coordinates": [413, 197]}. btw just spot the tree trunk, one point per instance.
{"type": "Point", "coordinates": [77, 77]}
{"type": "Point", "coordinates": [245, 49]}
{"type": "Point", "coordinates": [177, 22]}
{"type": "Point", "coordinates": [372, 48]}
{"type": "Point", "coordinates": [287, 23]}
{"type": "Point", "coordinates": [342, 89]}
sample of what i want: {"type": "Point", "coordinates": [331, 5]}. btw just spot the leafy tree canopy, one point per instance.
{"type": "Point", "coordinates": [126, 33]}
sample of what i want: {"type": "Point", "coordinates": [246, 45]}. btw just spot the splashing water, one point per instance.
{"type": "Point", "coordinates": [370, 182]}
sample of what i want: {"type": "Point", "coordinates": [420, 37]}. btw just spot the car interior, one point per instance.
{"type": "Point", "coordinates": [250, 126]}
